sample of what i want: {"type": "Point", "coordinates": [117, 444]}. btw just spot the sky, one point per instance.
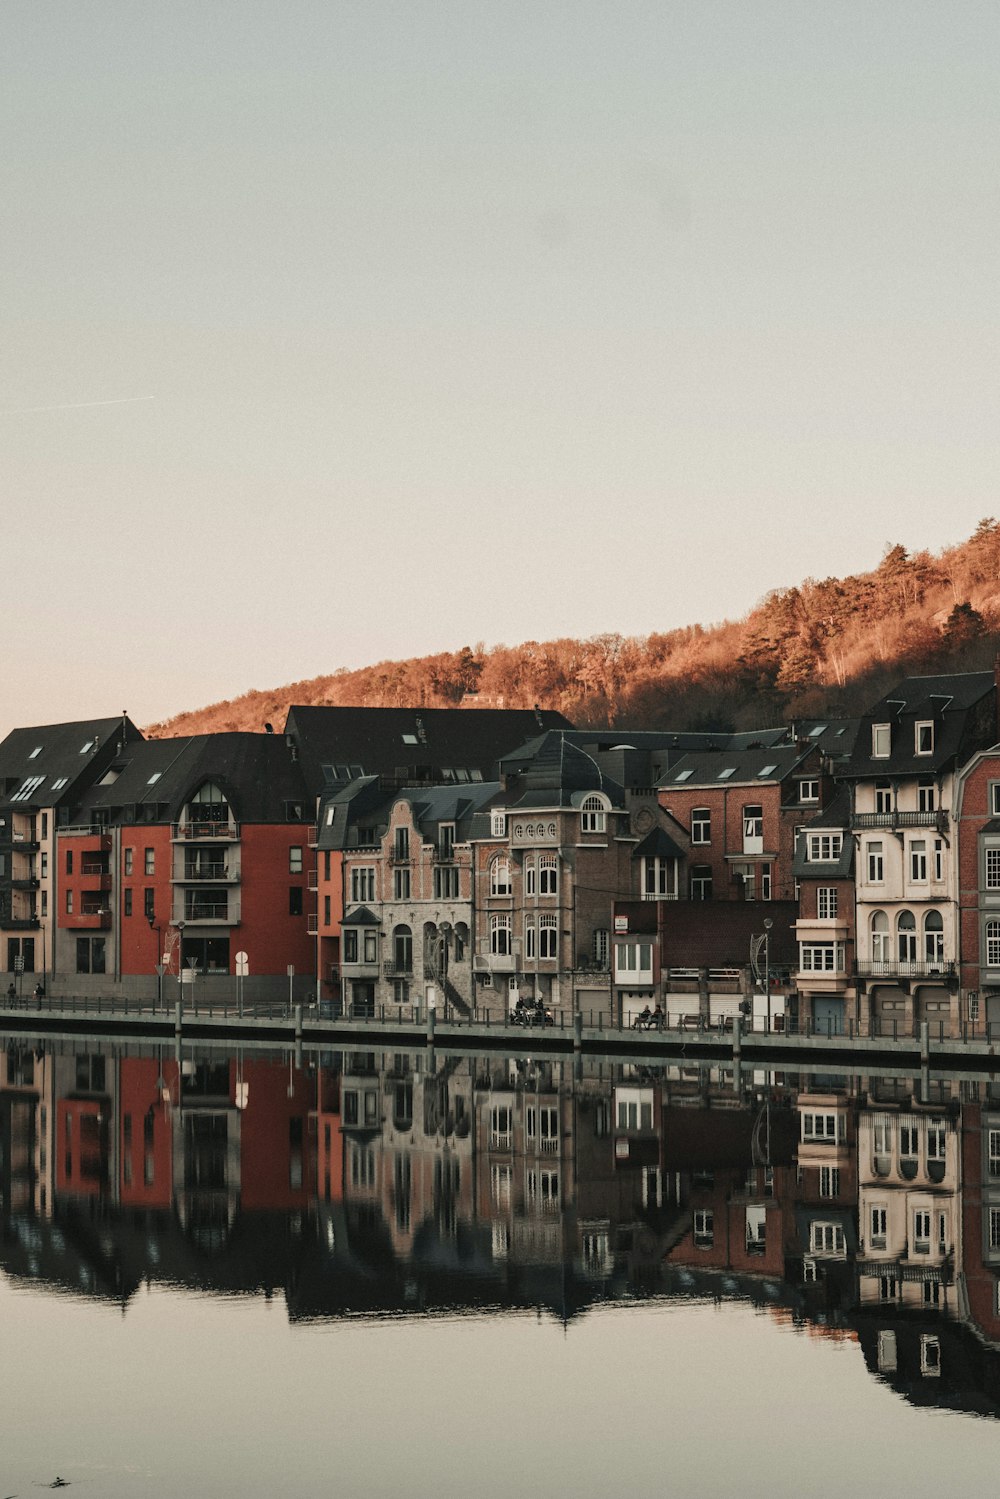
{"type": "Point", "coordinates": [334, 332]}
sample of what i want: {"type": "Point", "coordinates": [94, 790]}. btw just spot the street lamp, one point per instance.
{"type": "Point", "coordinates": [154, 926]}
{"type": "Point", "coordinates": [180, 961]}
{"type": "Point", "coordinates": [757, 946]}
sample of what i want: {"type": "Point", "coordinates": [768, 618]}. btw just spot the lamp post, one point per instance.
{"type": "Point", "coordinates": [757, 946]}
{"type": "Point", "coordinates": [154, 926]}
{"type": "Point", "coordinates": [180, 961]}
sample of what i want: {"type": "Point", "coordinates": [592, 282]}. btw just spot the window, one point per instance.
{"type": "Point", "coordinates": [498, 824]}
{"type": "Point", "coordinates": [829, 1181]}
{"type": "Point", "coordinates": [634, 957]}
{"type": "Point", "coordinates": [921, 1232]}
{"type": "Point", "coordinates": [704, 1228]}
{"type": "Point", "coordinates": [926, 796]}
{"type": "Point", "coordinates": [530, 935]}
{"type": "Point", "coordinates": [149, 904]}
{"type": "Point", "coordinates": [446, 882]}
{"type": "Point", "coordinates": [701, 825]}
{"type": "Point", "coordinates": [350, 945]}
{"type": "Point", "coordinates": [401, 884]}
{"type": "Point", "coordinates": [883, 798]}
{"type": "Point", "coordinates": [881, 945]}
{"type": "Point", "coordinates": [821, 957]}
{"type": "Point", "coordinates": [918, 861]}
{"type": "Point", "coordinates": [906, 937]}
{"type": "Point", "coordinates": [500, 879]}
{"type": "Point", "coordinates": [930, 1355]}
{"type": "Point", "coordinates": [149, 861]}
{"type": "Point", "coordinates": [90, 955]}
{"type": "Point", "coordinates": [826, 1238]}
{"type": "Point", "coordinates": [753, 829]}
{"type": "Point", "coordinates": [881, 741]}
{"type": "Point", "coordinates": [128, 903]}
{"type": "Point", "coordinates": [401, 844]}
{"type": "Point", "coordinates": [876, 862]}
{"type": "Point", "coordinates": [992, 868]}
{"type": "Point", "coordinates": [530, 877]}
{"type": "Point", "coordinates": [826, 902]}
{"type": "Point", "coordinates": [823, 848]}
{"type": "Point", "coordinates": [500, 944]}
{"type": "Point", "coordinates": [402, 949]}
{"type": "Point", "coordinates": [69, 902]}
{"type": "Point", "coordinates": [809, 791]}
{"type": "Point", "coordinates": [327, 910]}
{"type": "Point", "coordinates": [765, 882]}
{"type": "Point", "coordinates": [362, 884]}
{"type": "Point", "coordinates": [993, 944]}
{"type": "Point", "coordinates": [592, 815]}
{"type": "Point", "coordinates": [295, 860]}
{"type": "Point", "coordinates": [993, 1150]}
{"type": "Point", "coordinates": [129, 856]}
{"type": "Point", "coordinates": [923, 739]}
{"type": "Point", "coordinates": [371, 946]}
{"type": "Point", "coordinates": [548, 874]}
{"type": "Point", "coordinates": [826, 1127]}
{"type": "Point", "coordinates": [295, 900]}
{"type": "Point", "coordinates": [995, 798]}
{"type": "Point", "coordinates": [877, 1225]}
{"type": "Point", "coordinates": [548, 937]}
{"type": "Point", "coordinates": [45, 866]}
{"type": "Point", "coordinates": [933, 937]}
{"type": "Point", "coordinates": [659, 879]}
{"type": "Point", "coordinates": [601, 947]}
{"type": "Point", "coordinates": [701, 882]}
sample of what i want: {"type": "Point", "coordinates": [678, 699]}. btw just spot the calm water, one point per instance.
{"type": "Point", "coordinates": [383, 1273]}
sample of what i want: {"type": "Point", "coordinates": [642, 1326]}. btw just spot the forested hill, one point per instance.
{"type": "Point", "coordinates": [823, 647]}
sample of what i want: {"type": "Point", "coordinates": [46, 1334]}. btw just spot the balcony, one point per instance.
{"type": "Point", "coordinates": [312, 880]}
{"type": "Point", "coordinates": [89, 921]}
{"type": "Point", "coordinates": [493, 962]}
{"type": "Point", "coordinates": [443, 853]}
{"type": "Point", "coordinates": [22, 844]}
{"type": "Point", "coordinates": [209, 911]}
{"type": "Point", "coordinates": [26, 882]}
{"type": "Point", "coordinates": [21, 923]}
{"type": "Point", "coordinates": [399, 856]}
{"type": "Point", "coordinates": [902, 968]}
{"type": "Point", "coordinates": [894, 820]}
{"type": "Point", "coordinates": [394, 970]}
{"type": "Point", "coordinates": [205, 874]}
{"type": "Point", "coordinates": [312, 924]}
{"type": "Point", "coordinates": [201, 832]}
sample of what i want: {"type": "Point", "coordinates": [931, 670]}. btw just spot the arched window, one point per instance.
{"type": "Point", "coordinates": [402, 949]}
{"type": "Point", "coordinates": [208, 805]}
{"type": "Point", "coordinates": [530, 876]}
{"type": "Point", "coordinates": [592, 815]}
{"type": "Point", "coordinates": [500, 943]}
{"type": "Point", "coordinates": [881, 950]}
{"type": "Point", "coordinates": [993, 944]}
{"type": "Point", "coordinates": [933, 937]}
{"type": "Point", "coordinates": [500, 883]}
{"type": "Point", "coordinates": [906, 937]}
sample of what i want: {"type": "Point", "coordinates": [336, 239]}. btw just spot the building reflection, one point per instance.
{"type": "Point", "coordinates": [379, 1182]}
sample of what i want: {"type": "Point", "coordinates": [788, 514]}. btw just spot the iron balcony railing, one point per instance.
{"type": "Point", "coordinates": [905, 968]}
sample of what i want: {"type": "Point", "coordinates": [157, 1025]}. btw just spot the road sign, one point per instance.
{"type": "Point", "coordinates": [242, 965]}
{"type": "Point", "coordinates": [161, 969]}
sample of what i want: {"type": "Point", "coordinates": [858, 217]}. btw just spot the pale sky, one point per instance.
{"type": "Point", "coordinates": [474, 321]}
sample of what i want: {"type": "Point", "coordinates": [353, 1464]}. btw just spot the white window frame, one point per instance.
{"type": "Point", "coordinates": [824, 848]}
{"type": "Point", "coordinates": [826, 902]}
{"type": "Point", "coordinates": [809, 791]}
{"type": "Point", "coordinates": [593, 815]}
{"type": "Point", "coordinates": [548, 936]}
{"type": "Point", "coordinates": [881, 741]}
{"type": "Point", "coordinates": [501, 878]}
{"type": "Point", "coordinates": [923, 737]}
{"type": "Point", "coordinates": [701, 825]}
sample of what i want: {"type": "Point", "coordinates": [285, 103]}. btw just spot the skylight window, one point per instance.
{"type": "Point", "coordinates": [35, 752]}
{"type": "Point", "coordinates": [86, 748]}
{"type": "Point", "coordinates": [817, 731]}
{"type": "Point", "coordinates": [58, 785]}
{"type": "Point", "coordinates": [724, 775]}
{"type": "Point", "coordinates": [154, 778]}
{"type": "Point", "coordinates": [683, 775]}
{"type": "Point", "coordinates": [410, 739]}
{"type": "Point", "coordinates": [767, 770]}
{"type": "Point", "coordinates": [25, 790]}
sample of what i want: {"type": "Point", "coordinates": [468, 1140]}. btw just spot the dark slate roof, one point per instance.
{"type": "Point", "coordinates": [33, 761]}
{"type": "Point", "coordinates": [763, 766]}
{"type": "Point", "coordinates": [658, 844]}
{"type": "Point", "coordinates": [834, 736]}
{"type": "Point", "coordinates": [255, 772]}
{"type": "Point", "coordinates": [841, 868]}
{"type": "Point", "coordinates": [411, 744]}
{"type": "Point", "coordinates": [556, 772]}
{"type": "Point", "coordinates": [360, 916]}
{"type": "Point", "coordinates": [962, 708]}
{"type": "Point", "coordinates": [341, 810]}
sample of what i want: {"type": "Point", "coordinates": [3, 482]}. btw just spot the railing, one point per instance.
{"type": "Point", "coordinates": [206, 874]}
{"type": "Point", "coordinates": [905, 968]}
{"type": "Point", "coordinates": [207, 911]}
{"type": "Point", "coordinates": [935, 819]}
{"type": "Point", "coordinates": [443, 853]}
{"type": "Point", "coordinates": [312, 879]}
{"type": "Point", "coordinates": [400, 970]}
{"type": "Point", "coordinates": [199, 830]}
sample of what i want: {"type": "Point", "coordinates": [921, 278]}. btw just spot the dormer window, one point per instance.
{"type": "Point", "coordinates": [924, 739]}
{"type": "Point", "coordinates": [881, 741]}
{"type": "Point", "coordinates": [498, 824]}
{"type": "Point", "coordinates": [593, 817]}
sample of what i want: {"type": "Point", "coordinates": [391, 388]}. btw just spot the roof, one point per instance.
{"type": "Point", "coordinates": [762, 766]}
{"type": "Point", "coordinates": [658, 844]}
{"type": "Point", "coordinates": [48, 765]}
{"type": "Point", "coordinates": [411, 744]}
{"type": "Point", "coordinates": [155, 778]}
{"type": "Point", "coordinates": [961, 707]}
{"type": "Point", "coordinates": [553, 771]}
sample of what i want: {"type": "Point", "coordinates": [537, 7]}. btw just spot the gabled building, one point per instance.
{"type": "Point", "coordinates": [825, 989]}
{"type": "Point", "coordinates": [44, 773]}
{"type": "Point", "coordinates": [902, 779]}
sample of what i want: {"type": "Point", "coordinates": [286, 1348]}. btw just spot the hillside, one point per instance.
{"type": "Point", "coordinates": [823, 647]}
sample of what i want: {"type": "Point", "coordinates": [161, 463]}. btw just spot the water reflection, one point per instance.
{"type": "Point", "coordinates": [862, 1207]}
